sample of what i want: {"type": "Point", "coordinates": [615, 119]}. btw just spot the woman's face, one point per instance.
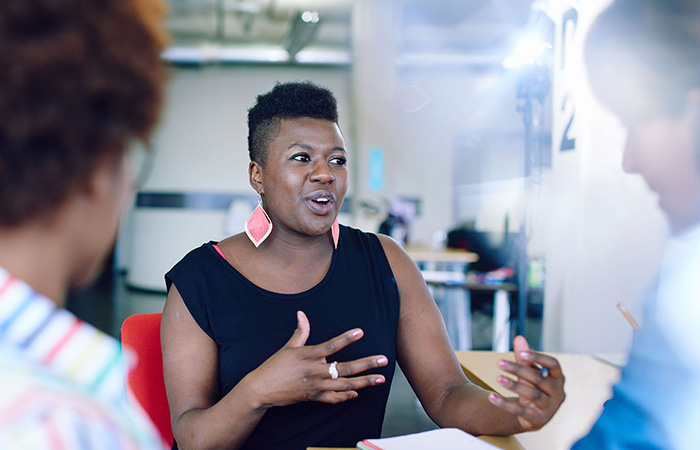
{"type": "Point", "coordinates": [305, 177]}
{"type": "Point", "coordinates": [666, 153]}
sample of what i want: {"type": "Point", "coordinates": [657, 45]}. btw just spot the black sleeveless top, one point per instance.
{"type": "Point", "coordinates": [249, 324]}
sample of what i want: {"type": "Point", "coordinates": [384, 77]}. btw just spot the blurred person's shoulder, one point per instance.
{"type": "Point", "coordinates": [62, 381]}
{"type": "Point", "coordinates": [40, 409]}
{"type": "Point", "coordinates": [679, 296]}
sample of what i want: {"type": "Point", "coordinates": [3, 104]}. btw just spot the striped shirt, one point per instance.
{"type": "Point", "coordinates": [62, 381]}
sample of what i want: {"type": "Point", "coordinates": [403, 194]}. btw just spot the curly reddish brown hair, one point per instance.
{"type": "Point", "coordinates": [79, 79]}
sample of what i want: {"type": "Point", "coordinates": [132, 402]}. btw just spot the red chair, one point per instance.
{"type": "Point", "coordinates": [141, 332]}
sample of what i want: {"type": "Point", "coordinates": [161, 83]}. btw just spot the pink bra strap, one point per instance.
{"type": "Point", "coordinates": [219, 250]}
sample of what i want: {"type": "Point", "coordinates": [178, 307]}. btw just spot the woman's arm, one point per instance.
{"type": "Point", "coordinates": [190, 368]}
{"type": "Point", "coordinates": [431, 367]}
{"type": "Point", "coordinates": [295, 373]}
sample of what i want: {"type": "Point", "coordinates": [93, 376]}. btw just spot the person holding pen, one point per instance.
{"type": "Point", "coordinates": [643, 59]}
{"type": "Point", "coordinates": [287, 336]}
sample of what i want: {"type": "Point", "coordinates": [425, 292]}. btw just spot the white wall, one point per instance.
{"type": "Point", "coordinates": [435, 163]}
{"type": "Point", "coordinates": [202, 140]}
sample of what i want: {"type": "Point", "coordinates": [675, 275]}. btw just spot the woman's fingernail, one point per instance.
{"type": "Point", "coordinates": [381, 361]}
{"type": "Point", "coordinates": [526, 355]}
{"type": "Point", "coordinates": [356, 333]}
{"type": "Point", "coordinates": [503, 364]}
{"type": "Point", "coordinates": [503, 380]}
{"type": "Point", "coordinates": [379, 380]}
{"type": "Point", "coordinates": [494, 398]}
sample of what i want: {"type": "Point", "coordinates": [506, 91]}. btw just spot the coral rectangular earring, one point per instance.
{"type": "Point", "coordinates": [258, 226]}
{"type": "Point", "coordinates": [335, 232]}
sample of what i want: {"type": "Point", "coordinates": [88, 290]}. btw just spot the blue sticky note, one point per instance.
{"type": "Point", "coordinates": [376, 169]}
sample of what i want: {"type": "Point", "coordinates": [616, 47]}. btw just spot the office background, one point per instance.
{"type": "Point", "coordinates": [430, 112]}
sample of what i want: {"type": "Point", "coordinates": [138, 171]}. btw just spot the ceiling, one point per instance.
{"type": "Point", "coordinates": [272, 30]}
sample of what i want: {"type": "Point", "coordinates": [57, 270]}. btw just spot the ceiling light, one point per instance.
{"type": "Point", "coordinates": [302, 32]}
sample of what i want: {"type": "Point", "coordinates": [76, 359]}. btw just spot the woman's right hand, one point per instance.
{"type": "Point", "coordinates": [299, 373]}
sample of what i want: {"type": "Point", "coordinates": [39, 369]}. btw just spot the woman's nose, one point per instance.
{"type": "Point", "coordinates": [321, 173]}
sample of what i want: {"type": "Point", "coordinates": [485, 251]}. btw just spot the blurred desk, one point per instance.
{"type": "Point", "coordinates": [447, 255]}
{"type": "Point", "coordinates": [444, 272]}
{"type": "Point", "coordinates": [500, 335]}
{"type": "Point", "coordinates": [588, 385]}
{"type": "Point", "coordinates": [456, 290]}
{"type": "Point", "coordinates": [448, 261]}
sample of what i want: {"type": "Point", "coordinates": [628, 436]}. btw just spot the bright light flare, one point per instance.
{"type": "Point", "coordinates": [310, 16]}
{"type": "Point", "coordinates": [530, 51]}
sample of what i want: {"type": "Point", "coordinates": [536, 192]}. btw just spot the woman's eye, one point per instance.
{"type": "Point", "coordinates": [339, 160]}
{"type": "Point", "coordinates": [303, 157]}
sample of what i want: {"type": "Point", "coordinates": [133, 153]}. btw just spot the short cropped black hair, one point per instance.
{"type": "Point", "coordinates": [78, 80]}
{"type": "Point", "coordinates": [291, 100]}
{"type": "Point", "coordinates": [643, 56]}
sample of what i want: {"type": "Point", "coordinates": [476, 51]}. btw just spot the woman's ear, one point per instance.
{"type": "Point", "coordinates": [255, 177]}
{"type": "Point", "coordinates": [108, 177]}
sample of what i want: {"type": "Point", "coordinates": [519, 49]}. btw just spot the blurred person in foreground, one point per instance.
{"type": "Point", "coordinates": [287, 336]}
{"type": "Point", "coordinates": [643, 58]}
{"type": "Point", "coordinates": [79, 80]}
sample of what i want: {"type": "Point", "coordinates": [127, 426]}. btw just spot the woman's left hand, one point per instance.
{"type": "Point", "coordinates": [539, 384]}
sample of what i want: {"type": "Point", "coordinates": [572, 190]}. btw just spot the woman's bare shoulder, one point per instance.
{"type": "Point", "coordinates": [401, 263]}
{"type": "Point", "coordinates": [235, 247]}
{"type": "Point", "coordinates": [391, 247]}
{"type": "Point", "coordinates": [235, 242]}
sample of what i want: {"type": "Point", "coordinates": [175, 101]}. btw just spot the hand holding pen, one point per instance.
{"type": "Point", "coordinates": [539, 384]}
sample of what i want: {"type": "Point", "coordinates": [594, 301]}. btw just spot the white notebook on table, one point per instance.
{"type": "Point", "coordinates": [444, 439]}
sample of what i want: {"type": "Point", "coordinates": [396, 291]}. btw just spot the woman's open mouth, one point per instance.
{"type": "Point", "coordinates": [321, 202]}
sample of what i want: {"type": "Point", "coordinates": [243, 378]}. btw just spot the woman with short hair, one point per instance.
{"type": "Point", "coordinates": [286, 336]}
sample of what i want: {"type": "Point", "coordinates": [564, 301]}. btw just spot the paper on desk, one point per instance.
{"type": "Point", "coordinates": [444, 439]}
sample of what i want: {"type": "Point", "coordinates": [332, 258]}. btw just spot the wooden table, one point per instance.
{"type": "Point", "coordinates": [425, 255]}
{"type": "Point", "coordinates": [588, 385]}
